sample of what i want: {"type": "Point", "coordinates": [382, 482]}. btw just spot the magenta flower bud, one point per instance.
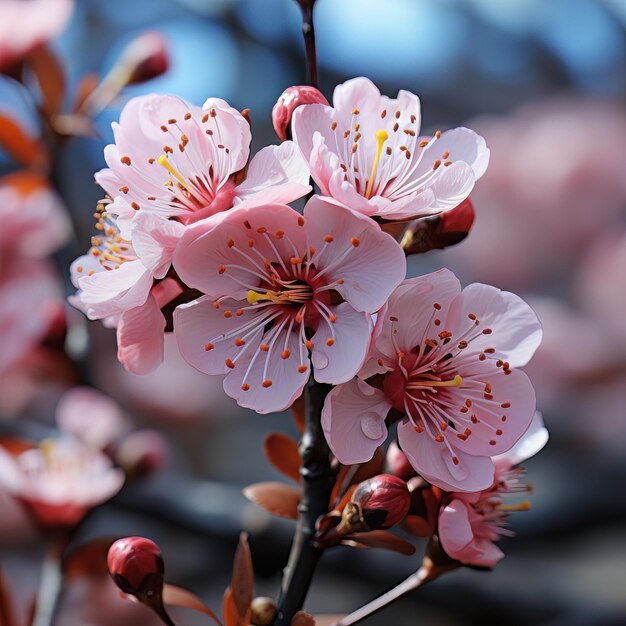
{"type": "Point", "coordinates": [383, 501]}
{"type": "Point", "coordinates": [145, 57]}
{"type": "Point", "coordinates": [397, 463]}
{"type": "Point", "coordinates": [137, 567]}
{"type": "Point", "coordinates": [288, 102]}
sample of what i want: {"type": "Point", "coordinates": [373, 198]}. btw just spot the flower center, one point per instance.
{"type": "Point", "coordinates": [381, 137]}
{"type": "Point", "coordinates": [294, 292]}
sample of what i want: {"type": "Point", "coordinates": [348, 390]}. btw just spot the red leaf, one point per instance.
{"type": "Point", "coordinates": [297, 410]}
{"type": "Point", "coordinates": [15, 446]}
{"type": "Point", "coordinates": [242, 583]}
{"type": "Point", "coordinates": [50, 77]}
{"type": "Point", "coordinates": [18, 145]}
{"type": "Point", "coordinates": [282, 452]}
{"type": "Point", "coordinates": [85, 88]}
{"type": "Point", "coordinates": [275, 497]}
{"type": "Point", "coordinates": [229, 609]}
{"type": "Point", "coordinates": [380, 539]}
{"type": "Point", "coordinates": [7, 615]}
{"type": "Point", "coordinates": [177, 596]}
{"type": "Point", "coordinates": [303, 619]}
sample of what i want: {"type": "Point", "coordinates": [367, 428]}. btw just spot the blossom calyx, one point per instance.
{"type": "Point", "coordinates": [380, 502]}
{"type": "Point", "coordinates": [288, 102]}
{"type": "Point", "coordinates": [136, 566]}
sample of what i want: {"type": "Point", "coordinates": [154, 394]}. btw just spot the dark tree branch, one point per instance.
{"type": "Point", "coordinates": [308, 31]}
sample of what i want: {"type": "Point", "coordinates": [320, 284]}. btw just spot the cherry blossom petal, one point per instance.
{"type": "Point", "coordinates": [140, 337]}
{"type": "Point", "coordinates": [276, 174]}
{"type": "Point", "coordinates": [534, 439]}
{"type": "Point", "coordinates": [154, 240]}
{"type": "Point", "coordinates": [207, 338]}
{"type": "Point", "coordinates": [340, 361]}
{"type": "Point", "coordinates": [434, 462]}
{"type": "Point", "coordinates": [370, 276]}
{"type": "Point", "coordinates": [205, 248]}
{"type": "Point", "coordinates": [515, 330]}
{"type": "Point", "coordinates": [266, 381]}
{"type": "Point", "coordinates": [107, 293]}
{"type": "Point", "coordinates": [310, 127]}
{"type": "Point", "coordinates": [353, 419]}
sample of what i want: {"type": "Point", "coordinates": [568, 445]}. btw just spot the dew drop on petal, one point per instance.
{"type": "Point", "coordinates": [372, 425]}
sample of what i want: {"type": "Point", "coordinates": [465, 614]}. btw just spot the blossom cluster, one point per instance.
{"type": "Point", "coordinates": [196, 238]}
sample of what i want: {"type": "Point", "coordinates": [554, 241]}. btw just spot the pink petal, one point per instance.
{"type": "Point", "coordinates": [205, 247]}
{"type": "Point", "coordinates": [433, 461]}
{"type": "Point", "coordinates": [369, 261]}
{"type": "Point", "coordinates": [108, 293]}
{"type": "Point", "coordinates": [256, 368]}
{"type": "Point", "coordinates": [516, 331]}
{"type": "Point", "coordinates": [154, 240]}
{"type": "Point", "coordinates": [462, 144]}
{"type": "Point", "coordinates": [198, 323]}
{"type": "Point", "coordinates": [353, 420]}
{"type": "Point", "coordinates": [454, 529]}
{"type": "Point", "coordinates": [358, 93]}
{"type": "Point", "coordinates": [452, 186]}
{"type": "Point", "coordinates": [492, 436]}
{"type": "Point", "coordinates": [308, 121]}
{"type": "Point", "coordinates": [533, 440]}
{"type": "Point", "coordinates": [140, 338]}
{"type": "Point", "coordinates": [350, 337]}
{"type": "Point", "coordinates": [276, 174]}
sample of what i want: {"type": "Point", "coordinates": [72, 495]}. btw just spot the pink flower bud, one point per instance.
{"type": "Point", "coordinates": [397, 463]}
{"type": "Point", "coordinates": [288, 102]}
{"type": "Point", "coordinates": [145, 57]}
{"type": "Point", "coordinates": [142, 452]}
{"type": "Point", "coordinates": [136, 566]}
{"type": "Point", "coordinates": [454, 225]}
{"type": "Point", "coordinates": [383, 501]}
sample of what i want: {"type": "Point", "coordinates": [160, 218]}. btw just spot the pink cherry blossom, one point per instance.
{"type": "Point", "coordinates": [470, 523]}
{"type": "Point", "coordinates": [283, 292]}
{"type": "Point", "coordinates": [447, 359]}
{"type": "Point", "coordinates": [125, 284]}
{"type": "Point", "coordinates": [90, 416]}
{"type": "Point", "coordinates": [25, 25]}
{"type": "Point", "coordinates": [60, 480]}
{"type": "Point", "coordinates": [174, 159]}
{"type": "Point", "coordinates": [367, 153]}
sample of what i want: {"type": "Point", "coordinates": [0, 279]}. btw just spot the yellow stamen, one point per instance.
{"type": "Point", "coordinates": [254, 296]}
{"type": "Point", "coordinates": [381, 137]}
{"type": "Point", "coordinates": [162, 160]}
{"type": "Point", "coordinates": [457, 381]}
{"type": "Point", "coordinates": [511, 508]}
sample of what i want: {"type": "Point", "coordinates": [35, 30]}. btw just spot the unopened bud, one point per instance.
{"type": "Point", "coordinates": [288, 102]}
{"type": "Point", "coordinates": [262, 611]}
{"type": "Point", "coordinates": [380, 502]}
{"type": "Point", "coordinates": [397, 463]}
{"type": "Point", "coordinates": [145, 57]}
{"type": "Point", "coordinates": [137, 568]}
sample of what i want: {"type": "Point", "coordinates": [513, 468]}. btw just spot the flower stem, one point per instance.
{"type": "Point", "coordinates": [423, 575]}
{"type": "Point", "coordinates": [308, 31]}
{"type": "Point", "coordinates": [50, 583]}
{"type": "Point", "coordinates": [317, 483]}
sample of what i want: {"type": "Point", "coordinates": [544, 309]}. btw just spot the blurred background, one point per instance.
{"type": "Point", "coordinates": [544, 82]}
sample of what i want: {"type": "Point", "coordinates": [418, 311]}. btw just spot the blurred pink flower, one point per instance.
{"type": "Point", "coordinates": [174, 159]}
{"type": "Point", "coordinates": [34, 225]}
{"type": "Point", "coordinates": [366, 152]}
{"type": "Point", "coordinates": [90, 416]}
{"type": "Point", "coordinates": [26, 24]}
{"type": "Point", "coordinates": [447, 357]}
{"type": "Point", "coordinates": [283, 291]}
{"type": "Point", "coordinates": [542, 204]}
{"type": "Point", "coordinates": [60, 480]}
{"type": "Point", "coordinates": [471, 522]}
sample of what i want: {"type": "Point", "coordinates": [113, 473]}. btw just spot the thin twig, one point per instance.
{"type": "Point", "coordinates": [308, 31]}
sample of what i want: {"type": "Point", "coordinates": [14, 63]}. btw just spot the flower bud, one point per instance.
{"type": "Point", "coordinates": [262, 611]}
{"type": "Point", "coordinates": [137, 567]}
{"type": "Point", "coordinates": [380, 502]}
{"type": "Point", "coordinates": [142, 452]}
{"type": "Point", "coordinates": [145, 57]}
{"type": "Point", "coordinates": [397, 463]}
{"type": "Point", "coordinates": [288, 102]}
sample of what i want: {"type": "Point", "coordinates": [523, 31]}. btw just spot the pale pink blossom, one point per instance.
{"type": "Point", "coordinates": [90, 416]}
{"type": "Point", "coordinates": [448, 358]}
{"type": "Point", "coordinates": [471, 522]}
{"type": "Point", "coordinates": [366, 152]}
{"type": "Point", "coordinates": [25, 24]}
{"type": "Point", "coordinates": [284, 291]}
{"type": "Point", "coordinates": [125, 284]}
{"type": "Point", "coordinates": [177, 160]}
{"type": "Point", "coordinates": [60, 480]}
